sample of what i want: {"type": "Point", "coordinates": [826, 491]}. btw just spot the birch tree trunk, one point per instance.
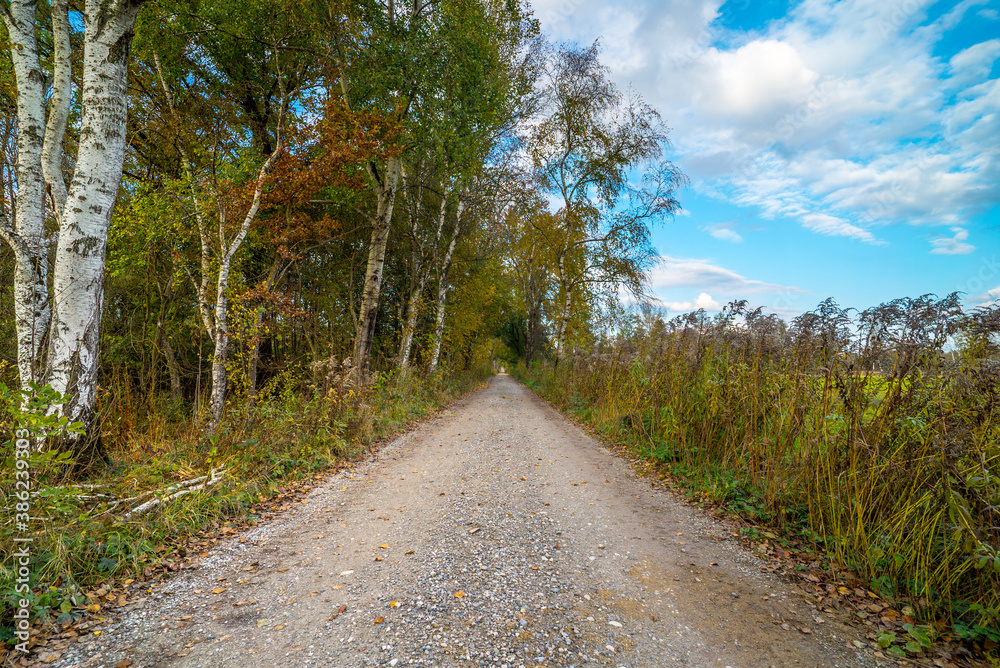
{"type": "Point", "coordinates": [221, 319]}
{"type": "Point", "coordinates": [422, 270]}
{"type": "Point", "coordinates": [442, 292]}
{"type": "Point", "coordinates": [26, 233]}
{"type": "Point", "coordinates": [66, 328]}
{"type": "Point", "coordinates": [567, 290]}
{"type": "Point", "coordinates": [564, 318]}
{"type": "Point", "coordinates": [78, 273]}
{"type": "Point", "coordinates": [386, 190]}
{"type": "Point", "coordinates": [216, 319]}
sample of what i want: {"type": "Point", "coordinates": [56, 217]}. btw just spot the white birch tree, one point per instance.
{"type": "Point", "coordinates": [58, 332]}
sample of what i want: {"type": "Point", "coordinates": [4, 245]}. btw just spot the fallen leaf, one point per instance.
{"type": "Point", "coordinates": [408, 552]}
{"type": "Point", "coordinates": [282, 570]}
{"type": "Point", "coordinates": [378, 558]}
{"type": "Point", "coordinates": [124, 663]}
{"type": "Point", "coordinates": [806, 630]}
{"type": "Point", "coordinates": [379, 620]}
{"type": "Point", "coordinates": [218, 591]}
{"type": "Point", "coordinates": [263, 622]}
{"type": "Point", "coordinates": [393, 604]}
{"type": "Point", "coordinates": [342, 609]}
{"type": "Point", "coordinates": [278, 627]}
{"type": "Point", "coordinates": [384, 546]}
{"type": "Point", "coordinates": [459, 594]}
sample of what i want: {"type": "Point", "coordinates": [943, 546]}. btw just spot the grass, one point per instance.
{"type": "Point", "coordinates": [83, 541]}
{"type": "Point", "coordinates": [862, 435]}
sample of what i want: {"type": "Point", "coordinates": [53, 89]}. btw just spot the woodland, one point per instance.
{"type": "Point", "coordinates": [242, 242]}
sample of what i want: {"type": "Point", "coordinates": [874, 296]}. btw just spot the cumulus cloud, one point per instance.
{"type": "Point", "coordinates": [838, 115]}
{"type": "Point", "coordinates": [954, 245]}
{"type": "Point", "coordinates": [759, 79]}
{"type": "Point", "coordinates": [703, 300]}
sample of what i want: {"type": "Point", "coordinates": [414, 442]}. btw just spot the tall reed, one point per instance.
{"type": "Point", "coordinates": [875, 432]}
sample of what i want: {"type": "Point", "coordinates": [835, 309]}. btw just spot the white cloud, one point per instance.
{"type": "Point", "coordinates": [838, 115]}
{"type": "Point", "coordinates": [955, 245]}
{"type": "Point", "coordinates": [974, 63]}
{"type": "Point", "coordinates": [671, 273]}
{"type": "Point", "coordinates": [836, 227]}
{"type": "Point", "coordinates": [725, 232]}
{"type": "Point", "coordinates": [703, 300]}
{"type": "Point", "coordinates": [759, 79]}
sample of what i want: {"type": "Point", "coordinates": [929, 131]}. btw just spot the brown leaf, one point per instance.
{"type": "Point", "coordinates": [342, 609]}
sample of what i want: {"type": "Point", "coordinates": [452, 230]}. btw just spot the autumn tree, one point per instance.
{"type": "Point", "coordinates": [592, 144]}
{"type": "Point", "coordinates": [203, 70]}
{"type": "Point", "coordinates": [409, 60]}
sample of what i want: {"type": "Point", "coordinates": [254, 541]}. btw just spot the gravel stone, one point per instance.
{"type": "Point", "coordinates": [495, 534]}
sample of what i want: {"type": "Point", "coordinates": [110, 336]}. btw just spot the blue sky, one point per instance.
{"type": "Point", "coordinates": [836, 149]}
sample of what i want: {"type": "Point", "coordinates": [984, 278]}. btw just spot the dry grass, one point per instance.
{"type": "Point", "coordinates": [874, 434]}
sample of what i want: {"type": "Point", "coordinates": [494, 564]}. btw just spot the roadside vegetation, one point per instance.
{"type": "Point", "coordinates": [308, 224]}
{"type": "Point", "coordinates": [170, 492]}
{"type": "Point", "coordinates": [870, 437]}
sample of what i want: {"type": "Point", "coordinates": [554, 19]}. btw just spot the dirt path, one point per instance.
{"type": "Point", "coordinates": [496, 534]}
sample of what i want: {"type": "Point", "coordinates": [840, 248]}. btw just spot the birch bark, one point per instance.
{"type": "Point", "coordinates": [386, 187]}
{"type": "Point", "coordinates": [442, 292]}
{"type": "Point", "coordinates": [422, 270]}
{"type": "Point", "coordinates": [216, 318]}
{"type": "Point", "coordinates": [26, 233]}
{"type": "Point", "coordinates": [78, 274]}
{"type": "Point", "coordinates": [63, 326]}
{"type": "Point", "coordinates": [221, 318]}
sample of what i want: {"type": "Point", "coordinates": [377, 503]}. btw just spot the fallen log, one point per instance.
{"type": "Point", "coordinates": [176, 491]}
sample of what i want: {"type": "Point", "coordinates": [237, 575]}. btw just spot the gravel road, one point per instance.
{"type": "Point", "coordinates": [495, 534]}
